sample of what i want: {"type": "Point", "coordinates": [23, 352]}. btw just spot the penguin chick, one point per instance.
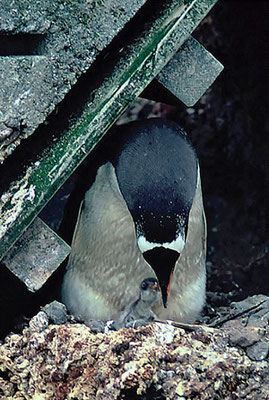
{"type": "Point", "coordinates": [142, 216]}
{"type": "Point", "coordinates": [140, 311]}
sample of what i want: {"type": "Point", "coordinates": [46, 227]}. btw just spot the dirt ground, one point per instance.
{"type": "Point", "coordinates": [229, 127]}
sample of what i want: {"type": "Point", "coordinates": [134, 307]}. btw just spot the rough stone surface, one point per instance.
{"type": "Point", "coordinates": [158, 361]}
{"type": "Point", "coordinates": [245, 336]}
{"type": "Point", "coordinates": [57, 42]}
{"type": "Point", "coordinates": [246, 323]}
{"type": "Point", "coordinates": [56, 312]}
{"type": "Point", "coordinates": [258, 351]}
{"type": "Point", "coordinates": [36, 255]}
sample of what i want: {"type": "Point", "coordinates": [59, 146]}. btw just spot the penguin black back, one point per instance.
{"type": "Point", "coordinates": [156, 168]}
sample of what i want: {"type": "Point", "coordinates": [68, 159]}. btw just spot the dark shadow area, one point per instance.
{"type": "Point", "coordinates": [23, 44]}
{"type": "Point", "coordinates": [18, 305]}
{"type": "Point", "coordinates": [230, 129]}
{"type": "Point", "coordinates": [151, 393]}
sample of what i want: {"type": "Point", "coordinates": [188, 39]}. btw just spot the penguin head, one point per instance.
{"type": "Point", "coordinates": [156, 169]}
{"type": "Point", "coordinates": [150, 291]}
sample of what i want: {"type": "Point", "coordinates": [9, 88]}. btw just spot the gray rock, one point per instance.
{"type": "Point", "coordinates": [248, 303]}
{"type": "Point", "coordinates": [56, 312]}
{"type": "Point", "coordinates": [96, 326]}
{"type": "Point", "coordinates": [245, 337]}
{"type": "Point", "coordinates": [258, 351]}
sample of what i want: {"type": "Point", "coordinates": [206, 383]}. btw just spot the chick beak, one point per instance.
{"type": "Point", "coordinates": [162, 261]}
{"type": "Point", "coordinates": [155, 287]}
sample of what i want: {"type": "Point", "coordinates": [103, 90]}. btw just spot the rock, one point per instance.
{"type": "Point", "coordinates": [258, 351]}
{"type": "Point", "coordinates": [56, 312]}
{"type": "Point", "coordinates": [249, 302]}
{"type": "Point", "coordinates": [246, 336]}
{"type": "Point", "coordinates": [153, 362]}
{"type": "Point", "coordinates": [96, 326]}
{"type": "Point", "coordinates": [39, 322]}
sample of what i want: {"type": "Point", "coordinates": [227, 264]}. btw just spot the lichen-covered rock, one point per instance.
{"type": "Point", "coordinates": [158, 361]}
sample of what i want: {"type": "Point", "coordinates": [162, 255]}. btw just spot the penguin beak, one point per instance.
{"type": "Point", "coordinates": [162, 261]}
{"type": "Point", "coordinates": [165, 288]}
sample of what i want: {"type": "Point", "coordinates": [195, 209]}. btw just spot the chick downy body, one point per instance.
{"type": "Point", "coordinates": [142, 308]}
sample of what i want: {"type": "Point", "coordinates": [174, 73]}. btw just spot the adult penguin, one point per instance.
{"type": "Point", "coordinates": [142, 217]}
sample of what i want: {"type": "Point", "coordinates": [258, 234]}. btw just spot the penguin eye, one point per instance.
{"type": "Point", "coordinates": [144, 285]}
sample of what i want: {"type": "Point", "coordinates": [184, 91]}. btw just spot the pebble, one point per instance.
{"type": "Point", "coordinates": [258, 351]}
{"type": "Point", "coordinates": [56, 312]}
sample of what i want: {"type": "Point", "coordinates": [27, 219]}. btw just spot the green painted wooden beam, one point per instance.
{"type": "Point", "coordinates": [137, 64]}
